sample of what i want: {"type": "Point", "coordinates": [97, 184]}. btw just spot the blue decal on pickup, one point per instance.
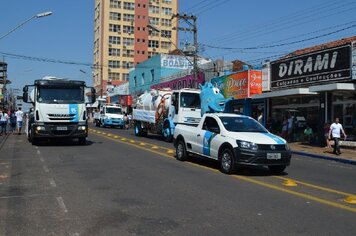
{"type": "Point", "coordinates": [208, 136]}
{"type": "Point", "coordinates": [275, 138]}
{"type": "Point", "coordinates": [74, 110]}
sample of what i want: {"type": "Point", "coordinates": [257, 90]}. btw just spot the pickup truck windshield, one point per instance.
{"type": "Point", "coordinates": [60, 95]}
{"type": "Point", "coordinates": [114, 110]}
{"type": "Point", "coordinates": [190, 100]}
{"type": "Point", "coordinates": [242, 124]}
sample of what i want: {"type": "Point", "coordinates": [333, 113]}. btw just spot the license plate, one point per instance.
{"type": "Point", "coordinates": [62, 128]}
{"type": "Point", "coordinates": [273, 156]}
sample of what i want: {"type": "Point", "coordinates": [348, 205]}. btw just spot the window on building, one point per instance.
{"type": "Point", "coordinates": [151, 54]}
{"type": "Point", "coordinates": [114, 52]}
{"type": "Point", "coordinates": [154, 9]}
{"type": "Point", "coordinates": [115, 4]}
{"type": "Point", "coordinates": [125, 77]}
{"type": "Point", "coordinates": [166, 22]}
{"type": "Point", "coordinates": [114, 64]}
{"type": "Point", "coordinates": [129, 6]}
{"type": "Point", "coordinates": [113, 76]}
{"type": "Point", "coordinates": [167, 1]}
{"type": "Point", "coordinates": [115, 16]}
{"type": "Point", "coordinates": [114, 28]}
{"type": "Point", "coordinates": [153, 21]}
{"type": "Point", "coordinates": [114, 40]}
{"type": "Point", "coordinates": [165, 45]}
{"type": "Point", "coordinates": [166, 33]}
{"type": "Point", "coordinates": [167, 11]}
{"type": "Point", "coordinates": [129, 17]}
{"type": "Point", "coordinates": [128, 53]}
{"type": "Point", "coordinates": [153, 44]}
{"type": "Point", "coordinates": [127, 64]}
{"type": "Point", "coordinates": [128, 41]}
{"type": "Point", "coordinates": [128, 29]}
{"type": "Point", "coordinates": [153, 32]}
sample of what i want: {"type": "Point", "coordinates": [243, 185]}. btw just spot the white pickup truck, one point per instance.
{"type": "Point", "coordinates": [233, 140]}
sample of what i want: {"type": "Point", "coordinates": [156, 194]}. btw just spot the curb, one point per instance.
{"type": "Point", "coordinates": [343, 160]}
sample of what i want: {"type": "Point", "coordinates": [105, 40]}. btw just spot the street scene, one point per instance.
{"type": "Point", "coordinates": [177, 117]}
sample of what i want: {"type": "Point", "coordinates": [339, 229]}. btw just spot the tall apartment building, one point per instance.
{"type": "Point", "coordinates": [122, 37]}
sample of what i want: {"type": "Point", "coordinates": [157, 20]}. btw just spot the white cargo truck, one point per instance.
{"type": "Point", "coordinates": [59, 109]}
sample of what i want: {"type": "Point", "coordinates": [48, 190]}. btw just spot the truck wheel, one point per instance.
{"type": "Point", "coordinates": [277, 169]}
{"type": "Point", "coordinates": [82, 141]}
{"type": "Point", "coordinates": [227, 161]}
{"type": "Point", "coordinates": [167, 135]}
{"type": "Point", "coordinates": [181, 151]}
{"type": "Point", "coordinates": [138, 129]}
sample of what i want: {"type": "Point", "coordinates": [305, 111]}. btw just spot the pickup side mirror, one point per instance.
{"type": "Point", "coordinates": [25, 97]}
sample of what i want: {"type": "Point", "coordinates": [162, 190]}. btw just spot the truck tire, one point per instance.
{"type": "Point", "coordinates": [277, 169]}
{"type": "Point", "coordinates": [138, 129]}
{"type": "Point", "coordinates": [181, 151]}
{"type": "Point", "coordinates": [227, 161]}
{"type": "Point", "coordinates": [82, 141]}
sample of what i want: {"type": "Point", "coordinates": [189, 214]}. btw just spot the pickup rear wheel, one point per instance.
{"type": "Point", "coordinates": [227, 161]}
{"type": "Point", "coordinates": [138, 129]}
{"type": "Point", "coordinates": [181, 151]}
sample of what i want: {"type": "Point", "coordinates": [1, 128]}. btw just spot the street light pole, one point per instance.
{"type": "Point", "coordinates": [44, 14]}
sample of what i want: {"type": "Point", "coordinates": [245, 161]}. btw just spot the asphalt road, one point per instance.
{"type": "Point", "coordinates": [119, 184]}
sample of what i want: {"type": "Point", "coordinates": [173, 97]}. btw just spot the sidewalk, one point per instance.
{"type": "Point", "coordinates": [347, 156]}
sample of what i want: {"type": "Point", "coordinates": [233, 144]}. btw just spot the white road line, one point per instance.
{"type": "Point", "coordinates": [74, 234]}
{"type": "Point", "coordinates": [52, 183]}
{"type": "Point", "coordinates": [61, 204]}
{"type": "Point", "coordinates": [41, 159]}
{"type": "Point", "coordinates": [45, 168]}
{"type": "Point", "coordinates": [38, 152]}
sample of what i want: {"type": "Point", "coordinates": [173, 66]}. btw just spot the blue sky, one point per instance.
{"type": "Point", "coordinates": [67, 35]}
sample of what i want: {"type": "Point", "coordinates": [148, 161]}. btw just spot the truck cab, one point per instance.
{"type": "Point", "coordinates": [59, 109]}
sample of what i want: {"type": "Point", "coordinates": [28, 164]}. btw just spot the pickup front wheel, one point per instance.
{"type": "Point", "coordinates": [181, 151]}
{"type": "Point", "coordinates": [227, 161]}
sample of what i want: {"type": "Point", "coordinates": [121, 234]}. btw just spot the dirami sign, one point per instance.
{"type": "Point", "coordinates": [240, 85]}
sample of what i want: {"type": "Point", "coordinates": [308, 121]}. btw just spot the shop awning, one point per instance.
{"type": "Point", "coordinates": [283, 93]}
{"type": "Point", "coordinates": [333, 87]}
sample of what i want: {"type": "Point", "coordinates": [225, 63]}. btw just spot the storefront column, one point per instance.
{"type": "Point", "coordinates": [323, 110]}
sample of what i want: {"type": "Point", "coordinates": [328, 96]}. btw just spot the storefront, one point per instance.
{"type": "Point", "coordinates": [313, 88]}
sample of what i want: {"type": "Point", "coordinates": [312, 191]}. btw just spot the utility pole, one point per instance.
{"type": "Point", "coordinates": [192, 21]}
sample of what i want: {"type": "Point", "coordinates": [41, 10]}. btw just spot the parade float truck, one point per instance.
{"type": "Point", "coordinates": [158, 111]}
{"type": "Point", "coordinates": [233, 140]}
{"type": "Point", "coordinates": [111, 115]}
{"type": "Point", "coordinates": [59, 109]}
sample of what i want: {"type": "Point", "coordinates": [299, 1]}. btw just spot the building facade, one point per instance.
{"type": "Point", "coordinates": [122, 38]}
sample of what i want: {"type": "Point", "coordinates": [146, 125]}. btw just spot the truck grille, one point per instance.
{"type": "Point", "coordinates": [66, 117]}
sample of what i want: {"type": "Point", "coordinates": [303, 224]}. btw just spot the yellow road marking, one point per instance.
{"type": "Point", "coordinates": [251, 180]}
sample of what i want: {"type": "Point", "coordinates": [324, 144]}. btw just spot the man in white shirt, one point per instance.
{"type": "Point", "coordinates": [3, 121]}
{"type": "Point", "coordinates": [19, 115]}
{"type": "Point", "coordinates": [335, 133]}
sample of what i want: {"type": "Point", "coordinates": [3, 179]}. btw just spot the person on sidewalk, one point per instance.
{"type": "Point", "coordinates": [308, 134]}
{"type": "Point", "coordinates": [3, 121]}
{"type": "Point", "coordinates": [335, 133]}
{"type": "Point", "coordinates": [13, 121]}
{"type": "Point", "coordinates": [19, 118]}
{"type": "Point", "coordinates": [326, 134]}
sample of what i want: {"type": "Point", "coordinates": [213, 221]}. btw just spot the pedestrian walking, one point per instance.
{"type": "Point", "coordinates": [290, 128]}
{"type": "Point", "coordinates": [126, 121]}
{"type": "Point", "coordinates": [19, 119]}
{"type": "Point", "coordinates": [284, 133]}
{"type": "Point", "coordinates": [326, 134]}
{"type": "Point", "coordinates": [335, 133]}
{"type": "Point", "coordinates": [13, 121]}
{"type": "Point", "coordinates": [3, 121]}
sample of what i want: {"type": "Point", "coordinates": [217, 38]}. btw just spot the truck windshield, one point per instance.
{"type": "Point", "coordinates": [190, 100]}
{"type": "Point", "coordinates": [114, 110]}
{"type": "Point", "coordinates": [242, 124]}
{"type": "Point", "coordinates": [60, 95]}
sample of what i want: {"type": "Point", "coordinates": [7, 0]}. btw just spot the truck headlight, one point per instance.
{"type": "Point", "coordinates": [287, 147]}
{"type": "Point", "coordinates": [39, 128]}
{"type": "Point", "coordinates": [81, 127]}
{"type": "Point", "coordinates": [247, 145]}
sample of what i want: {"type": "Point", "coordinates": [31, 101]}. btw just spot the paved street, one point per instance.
{"type": "Point", "coordinates": [119, 184]}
